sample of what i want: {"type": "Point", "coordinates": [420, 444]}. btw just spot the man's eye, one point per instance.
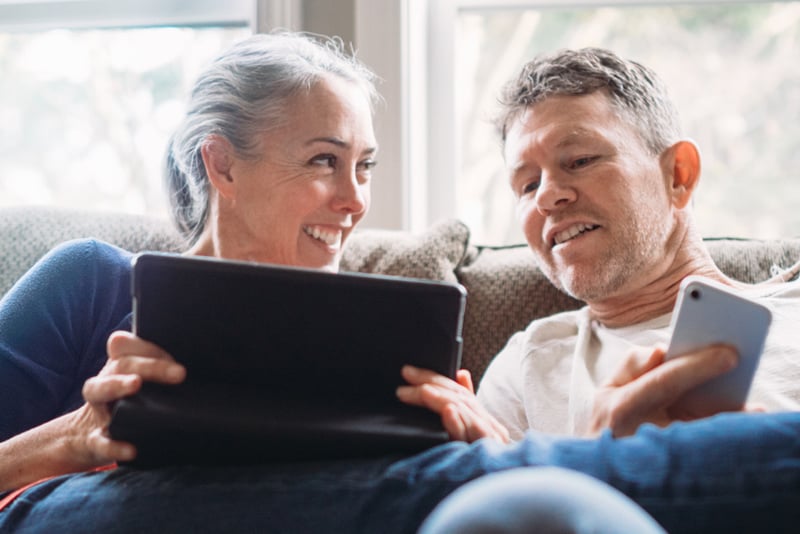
{"type": "Point", "coordinates": [327, 160]}
{"type": "Point", "coordinates": [581, 162]}
{"type": "Point", "coordinates": [530, 187]}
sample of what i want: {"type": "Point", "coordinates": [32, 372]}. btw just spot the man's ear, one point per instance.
{"type": "Point", "coordinates": [681, 164]}
{"type": "Point", "coordinates": [218, 159]}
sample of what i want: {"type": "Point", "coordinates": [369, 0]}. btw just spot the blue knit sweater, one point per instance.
{"type": "Point", "coordinates": [54, 324]}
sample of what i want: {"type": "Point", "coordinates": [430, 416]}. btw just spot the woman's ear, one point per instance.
{"type": "Point", "coordinates": [681, 163]}
{"type": "Point", "coordinates": [218, 158]}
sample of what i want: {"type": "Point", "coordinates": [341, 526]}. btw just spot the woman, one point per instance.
{"type": "Point", "coordinates": [272, 164]}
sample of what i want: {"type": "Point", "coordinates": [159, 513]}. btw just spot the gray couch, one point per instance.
{"type": "Point", "coordinates": [505, 291]}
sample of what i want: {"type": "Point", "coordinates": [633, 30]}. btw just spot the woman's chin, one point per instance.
{"type": "Point", "coordinates": [328, 263]}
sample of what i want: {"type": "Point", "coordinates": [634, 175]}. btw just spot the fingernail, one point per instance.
{"type": "Point", "coordinates": [127, 452]}
{"type": "Point", "coordinates": [176, 373]}
{"type": "Point", "coordinates": [410, 369]}
{"type": "Point", "coordinates": [133, 382]}
{"type": "Point", "coordinates": [730, 358]}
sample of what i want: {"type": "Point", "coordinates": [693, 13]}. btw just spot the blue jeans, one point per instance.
{"type": "Point", "coordinates": [732, 472]}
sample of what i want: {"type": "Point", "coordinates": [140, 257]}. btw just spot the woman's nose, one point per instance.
{"type": "Point", "coordinates": [352, 194]}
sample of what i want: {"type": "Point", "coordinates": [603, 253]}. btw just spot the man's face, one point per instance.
{"type": "Point", "coordinates": [592, 201]}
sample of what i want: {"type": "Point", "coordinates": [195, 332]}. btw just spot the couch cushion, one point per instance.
{"type": "Point", "coordinates": [752, 260]}
{"type": "Point", "coordinates": [433, 254]}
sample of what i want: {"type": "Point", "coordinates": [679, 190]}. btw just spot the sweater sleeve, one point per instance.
{"type": "Point", "coordinates": [54, 323]}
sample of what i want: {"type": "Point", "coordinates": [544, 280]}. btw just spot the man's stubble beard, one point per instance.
{"type": "Point", "coordinates": [632, 253]}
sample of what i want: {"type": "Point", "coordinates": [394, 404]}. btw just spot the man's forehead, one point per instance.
{"type": "Point", "coordinates": [549, 136]}
{"type": "Point", "coordinates": [562, 120]}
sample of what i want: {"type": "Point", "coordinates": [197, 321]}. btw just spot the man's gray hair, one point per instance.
{"type": "Point", "coordinates": [636, 91]}
{"type": "Point", "coordinates": [242, 95]}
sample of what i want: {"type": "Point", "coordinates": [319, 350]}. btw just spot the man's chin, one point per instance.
{"type": "Point", "coordinates": [584, 288]}
{"type": "Point", "coordinates": [578, 281]}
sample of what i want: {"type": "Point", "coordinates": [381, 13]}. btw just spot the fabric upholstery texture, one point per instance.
{"type": "Point", "coordinates": [433, 254]}
{"type": "Point", "coordinates": [27, 233]}
{"type": "Point", "coordinates": [751, 260]}
{"type": "Point", "coordinates": [505, 290]}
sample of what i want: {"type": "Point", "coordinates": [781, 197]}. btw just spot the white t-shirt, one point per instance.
{"type": "Point", "coordinates": [545, 377]}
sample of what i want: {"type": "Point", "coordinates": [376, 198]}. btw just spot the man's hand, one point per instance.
{"type": "Point", "coordinates": [647, 389]}
{"type": "Point", "coordinates": [463, 417]}
{"type": "Point", "coordinates": [131, 360]}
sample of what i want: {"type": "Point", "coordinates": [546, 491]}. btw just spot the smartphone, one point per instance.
{"type": "Point", "coordinates": [708, 313]}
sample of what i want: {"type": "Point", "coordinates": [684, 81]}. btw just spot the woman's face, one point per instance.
{"type": "Point", "coordinates": [298, 203]}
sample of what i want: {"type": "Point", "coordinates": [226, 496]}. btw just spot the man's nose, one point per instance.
{"type": "Point", "coordinates": [554, 192]}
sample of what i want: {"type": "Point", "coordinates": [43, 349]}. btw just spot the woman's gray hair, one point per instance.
{"type": "Point", "coordinates": [636, 91]}
{"type": "Point", "coordinates": [242, 95]}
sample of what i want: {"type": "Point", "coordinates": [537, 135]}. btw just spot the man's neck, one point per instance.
{"type": "Point", "coordinates": [650, 296]}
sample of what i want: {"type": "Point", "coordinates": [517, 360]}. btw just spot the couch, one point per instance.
{"type": "Point", "coordinates": [505, 290]}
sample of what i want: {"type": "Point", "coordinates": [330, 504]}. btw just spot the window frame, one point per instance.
{"type": "Point", "coordinates": [38, 15]}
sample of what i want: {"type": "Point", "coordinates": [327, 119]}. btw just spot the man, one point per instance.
{"type": "Point", "coordinates": [603, 179]}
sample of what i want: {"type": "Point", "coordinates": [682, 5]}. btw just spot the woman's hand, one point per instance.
{"type": "Point", "coordinates": [79, 440]}
{"type": "Point", "coordinates": [647, 389]}
{"type": "Point", "coordinates": [131, 360]}
{"type": "Point", "coordinates": [463, 417]}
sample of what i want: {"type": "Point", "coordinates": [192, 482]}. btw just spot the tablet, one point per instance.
{"type": "Point", "coordinates": [284, 362]}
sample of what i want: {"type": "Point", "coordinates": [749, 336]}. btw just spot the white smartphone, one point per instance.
{"type": "Point", "coordinates": [707, 313]}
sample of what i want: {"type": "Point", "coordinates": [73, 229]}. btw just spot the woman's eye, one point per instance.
{"type": "Point", "coordinates": [327, 160]}
{"type": "Point", "coordinates": [364, 170]}
{"type": "Point", "coordinates": [368, 164]}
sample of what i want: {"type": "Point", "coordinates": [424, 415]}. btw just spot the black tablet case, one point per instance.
{"type": "Point", "coordinates": [284, 363]}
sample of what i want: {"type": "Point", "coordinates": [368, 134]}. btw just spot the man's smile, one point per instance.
{"type": "Point", "coordinates": [571, 232]}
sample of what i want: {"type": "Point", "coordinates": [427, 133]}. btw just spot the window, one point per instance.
{"type": "Point", "coordinates": [731, 67]}
{"type": "Point", "coordinates": [90, 92]}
